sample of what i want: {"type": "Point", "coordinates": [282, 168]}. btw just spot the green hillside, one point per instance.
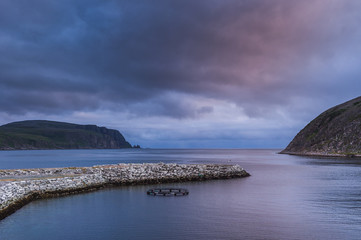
{"type": "Point", "coordinates": [335, 132]}
{"type": "Point", "coordinates": [41, 134]}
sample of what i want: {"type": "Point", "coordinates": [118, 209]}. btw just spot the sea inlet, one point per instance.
{"type": "Point", "coordinates": [287, 197]}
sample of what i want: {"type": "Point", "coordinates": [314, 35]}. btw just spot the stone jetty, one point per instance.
{"type": "Point", "coordinates": [20, 186]}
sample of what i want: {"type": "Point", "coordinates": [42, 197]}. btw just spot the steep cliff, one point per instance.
{"type": "Point", "coordinates": [40, 134]}
{"type": "Point", "coordinates": [336, 132]}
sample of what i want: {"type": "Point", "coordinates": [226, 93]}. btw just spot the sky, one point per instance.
{"type": "Point", "coordinates": [182, 73]}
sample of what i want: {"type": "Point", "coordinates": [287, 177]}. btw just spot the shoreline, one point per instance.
{"type": "Point", "coordinates": [322, 155]}
{"type": "Point", "coordinates": [18, 187]}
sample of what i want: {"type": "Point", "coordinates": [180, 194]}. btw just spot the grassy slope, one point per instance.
{"type": "Point", "coordinates": [49, 135]}
{"type": "Point", "coordinates": [334, 132]}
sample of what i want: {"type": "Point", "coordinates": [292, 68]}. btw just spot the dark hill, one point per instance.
{"type": "Point", "coordinates": [336, 132]}
{"type": "Point", "coordinates": [40, 134]}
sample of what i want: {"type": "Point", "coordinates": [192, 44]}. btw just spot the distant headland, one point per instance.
{"type": "Point", "coordinates": [335, 132]}
{"type": "Point", "coordinates": [42, 134]}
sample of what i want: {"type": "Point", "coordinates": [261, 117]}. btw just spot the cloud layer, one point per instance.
{"type": "Point", "coordinates": [238, 71]}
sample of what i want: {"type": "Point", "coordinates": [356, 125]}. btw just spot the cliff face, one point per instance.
{"type": "Point", "coordinates": [336, 131]}
{"type": "Point", "coordinates": [39, 134]}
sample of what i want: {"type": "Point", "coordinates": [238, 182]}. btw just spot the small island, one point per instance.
{"type": "Point", "coordinates": [335, 132]}
{"type": "Point", "coordinates": [42, 134]}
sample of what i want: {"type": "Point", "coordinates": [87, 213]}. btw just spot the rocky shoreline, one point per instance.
{"type": "Point", "coordinates": [20, 186]}
{"type": "Point", "coordinates": [321, 155]}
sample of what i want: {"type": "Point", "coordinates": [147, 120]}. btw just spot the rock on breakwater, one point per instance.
{"type": "Point", "coordinates": [20, 186]}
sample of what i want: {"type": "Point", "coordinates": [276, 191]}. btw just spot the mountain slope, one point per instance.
{"type": "Point", "coordinates": [41, 134]}
{"type": "Point", "coordinates": [335, 132]}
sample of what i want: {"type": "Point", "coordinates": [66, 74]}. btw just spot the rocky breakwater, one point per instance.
{"type": "Point", "coordinates": [20, 186]}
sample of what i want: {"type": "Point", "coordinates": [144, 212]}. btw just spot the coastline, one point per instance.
{"type": "Point", "coordinates": [323, 155]}
{"type": "Point", "coordinates": [21, 186]}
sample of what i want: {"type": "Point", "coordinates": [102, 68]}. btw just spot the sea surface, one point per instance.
{"type": "Point", "coordinates": [287, 197]}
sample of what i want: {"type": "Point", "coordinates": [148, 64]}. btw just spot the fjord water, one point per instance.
{"type": "Point", "coordinates": [287, 197]}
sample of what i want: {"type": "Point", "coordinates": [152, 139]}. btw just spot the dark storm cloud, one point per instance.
{"type": "Point", "coordinates": [149, 57]}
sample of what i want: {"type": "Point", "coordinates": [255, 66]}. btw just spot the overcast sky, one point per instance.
{"type": "Point", "coordinates": [181, 73]}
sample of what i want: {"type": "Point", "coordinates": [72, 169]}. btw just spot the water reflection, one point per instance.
{"type": "Point", "coordinates": [287, 197]}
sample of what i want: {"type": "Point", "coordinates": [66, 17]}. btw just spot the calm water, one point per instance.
{"type": "Point", "coordinates": [287, 197]}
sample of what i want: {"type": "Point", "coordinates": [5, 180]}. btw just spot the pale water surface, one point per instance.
{"type": "Point", "coordinates": [287, 197]}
